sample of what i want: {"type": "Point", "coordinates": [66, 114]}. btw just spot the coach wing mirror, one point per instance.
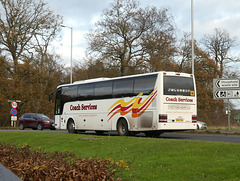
{"type": "Point", "coordinates": [51, 96]}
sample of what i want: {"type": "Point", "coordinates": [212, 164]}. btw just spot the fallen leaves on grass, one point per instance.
{"type": "Point", "coordinates": [40, 166]}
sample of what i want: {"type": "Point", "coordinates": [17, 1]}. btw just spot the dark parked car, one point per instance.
{"type": "Point", "coordinates": [35, 121]}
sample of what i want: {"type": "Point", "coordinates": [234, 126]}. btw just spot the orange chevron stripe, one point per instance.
{"type": "Point", "coordinates": [134, 105]}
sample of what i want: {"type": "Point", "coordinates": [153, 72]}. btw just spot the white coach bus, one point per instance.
{"type": "Point", "coordinates": [152, 103]}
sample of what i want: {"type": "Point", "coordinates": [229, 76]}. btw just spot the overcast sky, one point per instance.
{"type": "Point", "coordinates": [81, 15]}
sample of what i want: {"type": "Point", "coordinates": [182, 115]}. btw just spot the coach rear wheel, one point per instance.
{"type": "Point", "coordinates": [71, 126]}
{"type": "Point", "coordinates": [122, 128]}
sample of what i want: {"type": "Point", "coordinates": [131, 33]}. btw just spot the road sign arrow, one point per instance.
{"type": "Point", "coordinates": [226, 88]}
{"type": "Point", "coordinates": [227, 83]}
{"type": "Point", "coordinates": [217, 83]}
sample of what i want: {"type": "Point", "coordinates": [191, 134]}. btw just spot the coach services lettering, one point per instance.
{"type": "Point", "coordinates": [83, 107]}
{"type": "Point", "coordinates": [175, 99]}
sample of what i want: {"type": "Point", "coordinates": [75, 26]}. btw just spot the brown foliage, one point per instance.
{"type": "Point", "coordinates": [36, 165]}
{"type": "Point", "coordinates": [32, 85]}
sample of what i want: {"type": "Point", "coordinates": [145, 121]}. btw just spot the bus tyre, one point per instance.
{"type": "Point", "coordinates": [122, 128]}
{"type": "Point", "coordinates": [71, 126]}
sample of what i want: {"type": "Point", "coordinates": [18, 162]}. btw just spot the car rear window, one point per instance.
{"type": "Point", "coordinates": [42, 116]}
{"type": "Point", "coordinates": [27, 116]}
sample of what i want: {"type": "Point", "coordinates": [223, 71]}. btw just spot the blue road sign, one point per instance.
{"type": "Point", "coordinates": [14, 112]}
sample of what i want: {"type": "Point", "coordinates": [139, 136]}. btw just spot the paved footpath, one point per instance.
{"type": "Point", "coordinates": [7, 175]}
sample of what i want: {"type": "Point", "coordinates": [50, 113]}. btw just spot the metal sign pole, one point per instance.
{"type": "Point", "coordinates": [226, 89]}
{"type": "Point", "coordinates": [229, 115]}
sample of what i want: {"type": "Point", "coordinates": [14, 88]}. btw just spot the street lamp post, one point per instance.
{"type": "Point", "coordinates": [71, 50]}
{"type": "Point", "coordinates": [192, 29]}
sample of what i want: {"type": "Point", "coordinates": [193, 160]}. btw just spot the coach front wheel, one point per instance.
{"type": "Point", "coordinates": [71, 126]}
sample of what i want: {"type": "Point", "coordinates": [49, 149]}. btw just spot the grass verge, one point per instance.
{"type": "Point", "coordinates": [152, 159]}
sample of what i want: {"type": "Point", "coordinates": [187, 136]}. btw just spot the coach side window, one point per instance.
{"type": "Point", "coordinates": [103, 90]}
{"type": "Point", "coordinates": [144, 84]}
{"type": "Point", "coordinates": [85, 91]}
{"type": "Point", "coordinates": [69, 93]}
{"type": "Point", "coordinates": [123, 88]}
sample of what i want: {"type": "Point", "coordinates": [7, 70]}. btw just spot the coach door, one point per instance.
{"type": "Point", "coordinates": [58, 110]}
{"type": "Point", "coordinates": [58, 114]}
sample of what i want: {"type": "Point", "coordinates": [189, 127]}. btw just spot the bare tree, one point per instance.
{"type": "Point", "coordinates": [184, 53]}
{"type": "Point", "coordinates": [219, 45]}
{"type": "Point", "coordinates": [121, 35]}
{"type": "Point", "coordinates": [23, 25]}
{"type": "Point", "coordinates": [158, 42]}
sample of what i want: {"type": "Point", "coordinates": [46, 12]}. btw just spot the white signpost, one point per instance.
{"type": "Point", "coordinates": [14, 112]}
{"type": "Point", "coordinates": [226, 89]}
{"type": "Point", "coordinates": [227, 94]}
{"type": "Point", "coordinates": [227, 83]}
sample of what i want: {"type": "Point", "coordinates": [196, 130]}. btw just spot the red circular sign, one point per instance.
{"type": "Point", "coordinates": [14, 112]}
{"type": "Point", "coordinates": [14, 104]}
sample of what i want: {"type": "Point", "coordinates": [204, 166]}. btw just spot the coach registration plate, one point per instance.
{"type": "Point", "coordinates": [179, 120]}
